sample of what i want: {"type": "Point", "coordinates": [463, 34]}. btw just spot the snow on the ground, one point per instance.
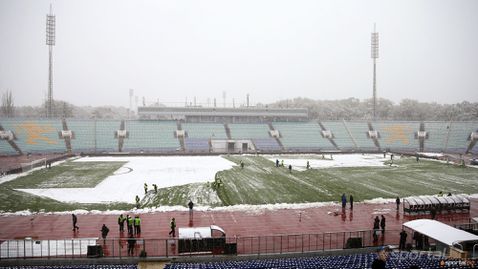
{"type": "Point", "coordinates": [165, 171]}
{"type": "Point", "coordinates": [431, 154]}
{"type": "Point", "coordinates": [11, 177]}
{"type": "Point", "coordinates": [299, 162]}
{"type": "Point", "coordinates": [249, 209]}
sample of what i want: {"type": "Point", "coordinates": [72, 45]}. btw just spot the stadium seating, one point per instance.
{"type": "Point", "coordinates": [356, 261]}
{"type": "Point", "coordinates": [397, 135]}
{"type": "Point", "coordinates": [302, 136]}
{"type": "Point", "coordinates": [458, 139]}
{"type": "Point", "coordinates": [84, 131]}
{"type": "Point", "coordinates": [6, 149]}
{"type": "Point", "coordinates": [41, 136]}
{"type": "Point", "coordinates": [167, 141]}
{"type": "Point", "coordinates": [437, 133]}
{"type": "Point", "coordinates": [359, 130]}
{"type": "Point", "coordinates": [150, 136]}
{"type": "Point", "coordinates": [249, 131]}
{"type": "Point", "coordinates": [266, 144]}
{"type": "Point", "coordinates": [196, 144]}
{"type": "Point", "coordinates": [79, 266]}
{"type": "Point", "coordinates": [36, 135]}
{"type": "Point", "coordinates": [93, 135]}
{"type": "Point", "coordinates": [341, 136]}
{"type": "Point", "coordinates": [105, 135]}
{"type": "Point", "coordinates": [205, 130]}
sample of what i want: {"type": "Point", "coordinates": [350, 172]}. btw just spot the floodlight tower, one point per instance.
{"type": "Point", "coordinates": [374, 57]}
{"type": "Point", "coordinates": [50, 42]}
{"type": "Point", "coordinates": [130, 111]}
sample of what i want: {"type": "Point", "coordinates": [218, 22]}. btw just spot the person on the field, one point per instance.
{"type": "Point", "coordinates": [376, 227]}
{"type": "Point", "coordinates": [403, 240]}
{"type": "Point", "coordinates": [290, 168]}
{"type": "Point", "coordinates": [433, 212]}
{"type": "Point", "coordinates": [172, 225]}
{"type": "Point", "coordinates": [344, 200]}
{"type": "Point", "coordinates": [277, 163]}
{"type": "Point", "coordinates": [155, 188]}
{"type": "Point", "coordinates": [282, 163]}
{"type": "Point", "coordinates": [121, 221]}
{"type": "Point", "coordinates": [242, 164]}
{"type": "Point", "coordinates": [145, 188]}
{"type": "Point", "coordinates": [104, 232]}
{"type": "Point", "coordinates": [137, 201]}
{"type": "Point", "coordinates": [137, 225]}
{"type": "Point", "coordinates": [129, 224]}
{"type": "Point", "coordinates": [308, 165]}
{"type": "Point", "coordinates": [131, 244]}
{"type": "Point", "coordinates": [351, 200]}
{"type": "Point", "coordinates": [75, 220]}
{"type": "Point", "coordinates": [382, 224]}
{"type": "Point", "coordinates": [190, 205]}
{"type": "Point", "coordinates": [397, 201]}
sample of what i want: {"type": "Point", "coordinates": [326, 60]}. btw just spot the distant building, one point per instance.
{"type": "Point", "coordinates": [223, 115]}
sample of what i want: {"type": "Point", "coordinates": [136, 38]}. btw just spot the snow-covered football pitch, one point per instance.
{"type": "Point", "coordinates": [119, 179]}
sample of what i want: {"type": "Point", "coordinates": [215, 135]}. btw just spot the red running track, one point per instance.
{"type": "Point", "coordinates": [242, 224]}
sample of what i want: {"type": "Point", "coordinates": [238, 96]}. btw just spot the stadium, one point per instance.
{"type": "Point", "coordinates": [227, 162]}
{"type": "Point", "coordinates": [292, 181]}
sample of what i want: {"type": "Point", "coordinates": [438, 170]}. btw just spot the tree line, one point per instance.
{"type": "Point", "coordinates": [347, 109]}
{"type": "Point", "coordinates": [407, 109]}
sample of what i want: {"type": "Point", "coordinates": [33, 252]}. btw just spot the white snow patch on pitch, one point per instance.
{"type": "Point", "coordinates": [299, 162]}
{"type": "Point", "coordinates": [165, 171]}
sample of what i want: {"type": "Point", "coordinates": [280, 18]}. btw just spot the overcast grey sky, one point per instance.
{"type": "Point", "coordinates": [271, 49]}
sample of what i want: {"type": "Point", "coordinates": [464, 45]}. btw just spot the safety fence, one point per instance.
{"type": "Point", "coordinates": [170, 247]}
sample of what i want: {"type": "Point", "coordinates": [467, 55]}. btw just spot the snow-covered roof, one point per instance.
{"type": "Point", "coordinates": [440, 231]}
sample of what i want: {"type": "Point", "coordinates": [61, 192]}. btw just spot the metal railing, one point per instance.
{"type": "Point", "coordinates": [170, 247]}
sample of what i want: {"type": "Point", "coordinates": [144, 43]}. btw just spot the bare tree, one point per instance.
{"type": "Point", "coordinates": [8, 107]}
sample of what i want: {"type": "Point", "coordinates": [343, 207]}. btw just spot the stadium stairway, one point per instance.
{"type": "Point", "coordinates": [180, 138]}
{"type": "Point", "coordinates": [271, 127]}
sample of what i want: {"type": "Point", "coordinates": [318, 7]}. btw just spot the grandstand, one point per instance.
{"type": "Point", "coordinates": [205, 130]}
{"type": "Point", "coordinates": [151, 136]}
{"type": "Point", "coordinates": [249, 131]}
{"type": "Point", "coordinates": [438, 133]}
{"type": "Point", "coordinates": [157, 137]}
{"type": "Point", "coordinates": [298, 136]}
{"type": "Point", "coordinates": [36, 136]}
{"type": "Point", "coordinates": [397, 135]}
{"type": "Point", "coordinates": [355, 261]}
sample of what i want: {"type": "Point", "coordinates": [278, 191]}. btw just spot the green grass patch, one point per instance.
{"type": "Point", "coordinates": [200, 193]}
{"type": "Point", "coordinates": [260, 182]}
{"type": "Point", "coordinates": [67, 175]}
